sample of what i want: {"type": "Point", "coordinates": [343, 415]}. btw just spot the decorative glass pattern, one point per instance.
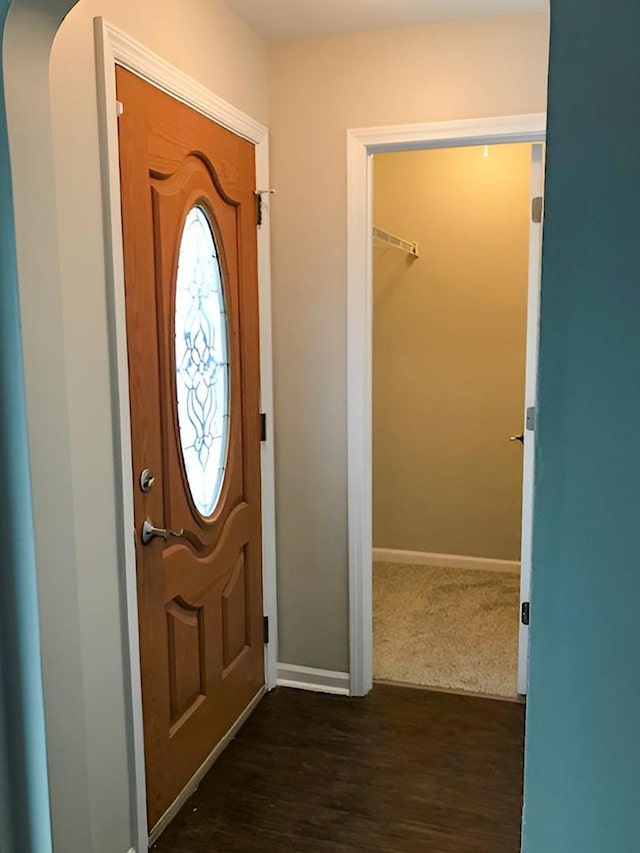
{"type": "Point", "coordinates": [202, 362]}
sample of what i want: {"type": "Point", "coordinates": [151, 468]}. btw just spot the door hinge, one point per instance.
{"type": "Point", "coordinates": [525, 612]}
{"type": "Point", "coordinates": [259, 204]}
{"type": "Point", "coordinates": [119, 108]}
{"type": "Point", "coordinates": [530, 420]}
{"type": "Point", "coordinates": [266, 630]}
{"type": "Point", "coordinates": [536, 209]}
{"type": "Point", "coordinates": [263, 426]}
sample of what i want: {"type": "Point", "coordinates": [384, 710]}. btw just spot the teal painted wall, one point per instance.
{"type": "Point", "coordinates": [582, 778]}
{"type": "Point", "coordinates": [24, 796]}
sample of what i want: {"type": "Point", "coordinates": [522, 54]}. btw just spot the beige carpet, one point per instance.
{"type": "Point", "coordinates": [449, 628]}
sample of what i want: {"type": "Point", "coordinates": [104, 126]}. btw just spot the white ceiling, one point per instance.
{"type": "Point", "coordinates": [299, 18]}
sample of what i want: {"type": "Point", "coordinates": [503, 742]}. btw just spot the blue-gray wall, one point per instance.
{"type": "Point", "coordinates": [24, 798]}
{"type": "Point", "coordinates": [582, 778]}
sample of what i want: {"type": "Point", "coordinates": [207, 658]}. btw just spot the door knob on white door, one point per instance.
{"type": "Point", "coordinates": [149, 532]}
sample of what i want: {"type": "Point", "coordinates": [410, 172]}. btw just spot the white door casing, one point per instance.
{"type": "Point", "coordinates": [361, 145]}
{"type": "Point", "coordinates": [530, 399]}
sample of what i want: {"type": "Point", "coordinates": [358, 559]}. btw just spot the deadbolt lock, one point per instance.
{"type": "Point", "coordinates": [146, 480]}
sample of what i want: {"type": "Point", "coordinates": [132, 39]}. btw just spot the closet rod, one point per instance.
{"type": "Point", "coordinates": [397, 242]}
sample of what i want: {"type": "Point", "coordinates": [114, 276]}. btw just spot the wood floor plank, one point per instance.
{"type": "Point", "coordinates": [399, 771]}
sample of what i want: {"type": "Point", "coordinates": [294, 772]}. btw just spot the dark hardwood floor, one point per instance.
{"type": "Point", "coordinates": [400, 771]}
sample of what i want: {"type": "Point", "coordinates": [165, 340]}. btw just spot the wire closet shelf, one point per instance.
{"type": "Point", "coordinates": [384, 237]}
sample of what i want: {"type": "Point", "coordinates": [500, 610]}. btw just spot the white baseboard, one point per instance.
{"type": "Point", "coordinates": [316, 680]}
{"type": "Point", "coordinates": [448, 561]}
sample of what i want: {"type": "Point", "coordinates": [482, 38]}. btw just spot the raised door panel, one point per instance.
{"type": "Point", "coordinates": [235, 621]}
{"type": "Point", "coordinates": [186, 659]}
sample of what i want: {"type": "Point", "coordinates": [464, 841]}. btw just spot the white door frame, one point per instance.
{"type": "Point", "coordinates": [361, 144]}
{"type": "Point", "coordinates": [530, 398]}
{"type": "Point", "coordinates": [114, 47]}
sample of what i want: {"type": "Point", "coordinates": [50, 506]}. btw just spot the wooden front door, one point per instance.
{"type": "Point", "coordinates": [190, 253]}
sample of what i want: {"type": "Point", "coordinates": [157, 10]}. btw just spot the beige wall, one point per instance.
{"type": "Point", "coordinates": [449, 338]}
{"type": "Point", "coordinates": [61, 259]}
{"type": "Point", "coordinates": [318, 89]}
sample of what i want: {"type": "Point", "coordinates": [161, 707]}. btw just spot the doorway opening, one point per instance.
{"type": "Point", "coordinates": [432, 139]}
{"type": "Point", "coordinates": [454, 239]}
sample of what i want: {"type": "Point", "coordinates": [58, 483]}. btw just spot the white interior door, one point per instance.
{"type": "Point", "coordinates": [531, 381]}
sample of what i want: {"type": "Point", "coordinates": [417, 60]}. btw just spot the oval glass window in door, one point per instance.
{"type": "Point", "coordinates": [202, 361]}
